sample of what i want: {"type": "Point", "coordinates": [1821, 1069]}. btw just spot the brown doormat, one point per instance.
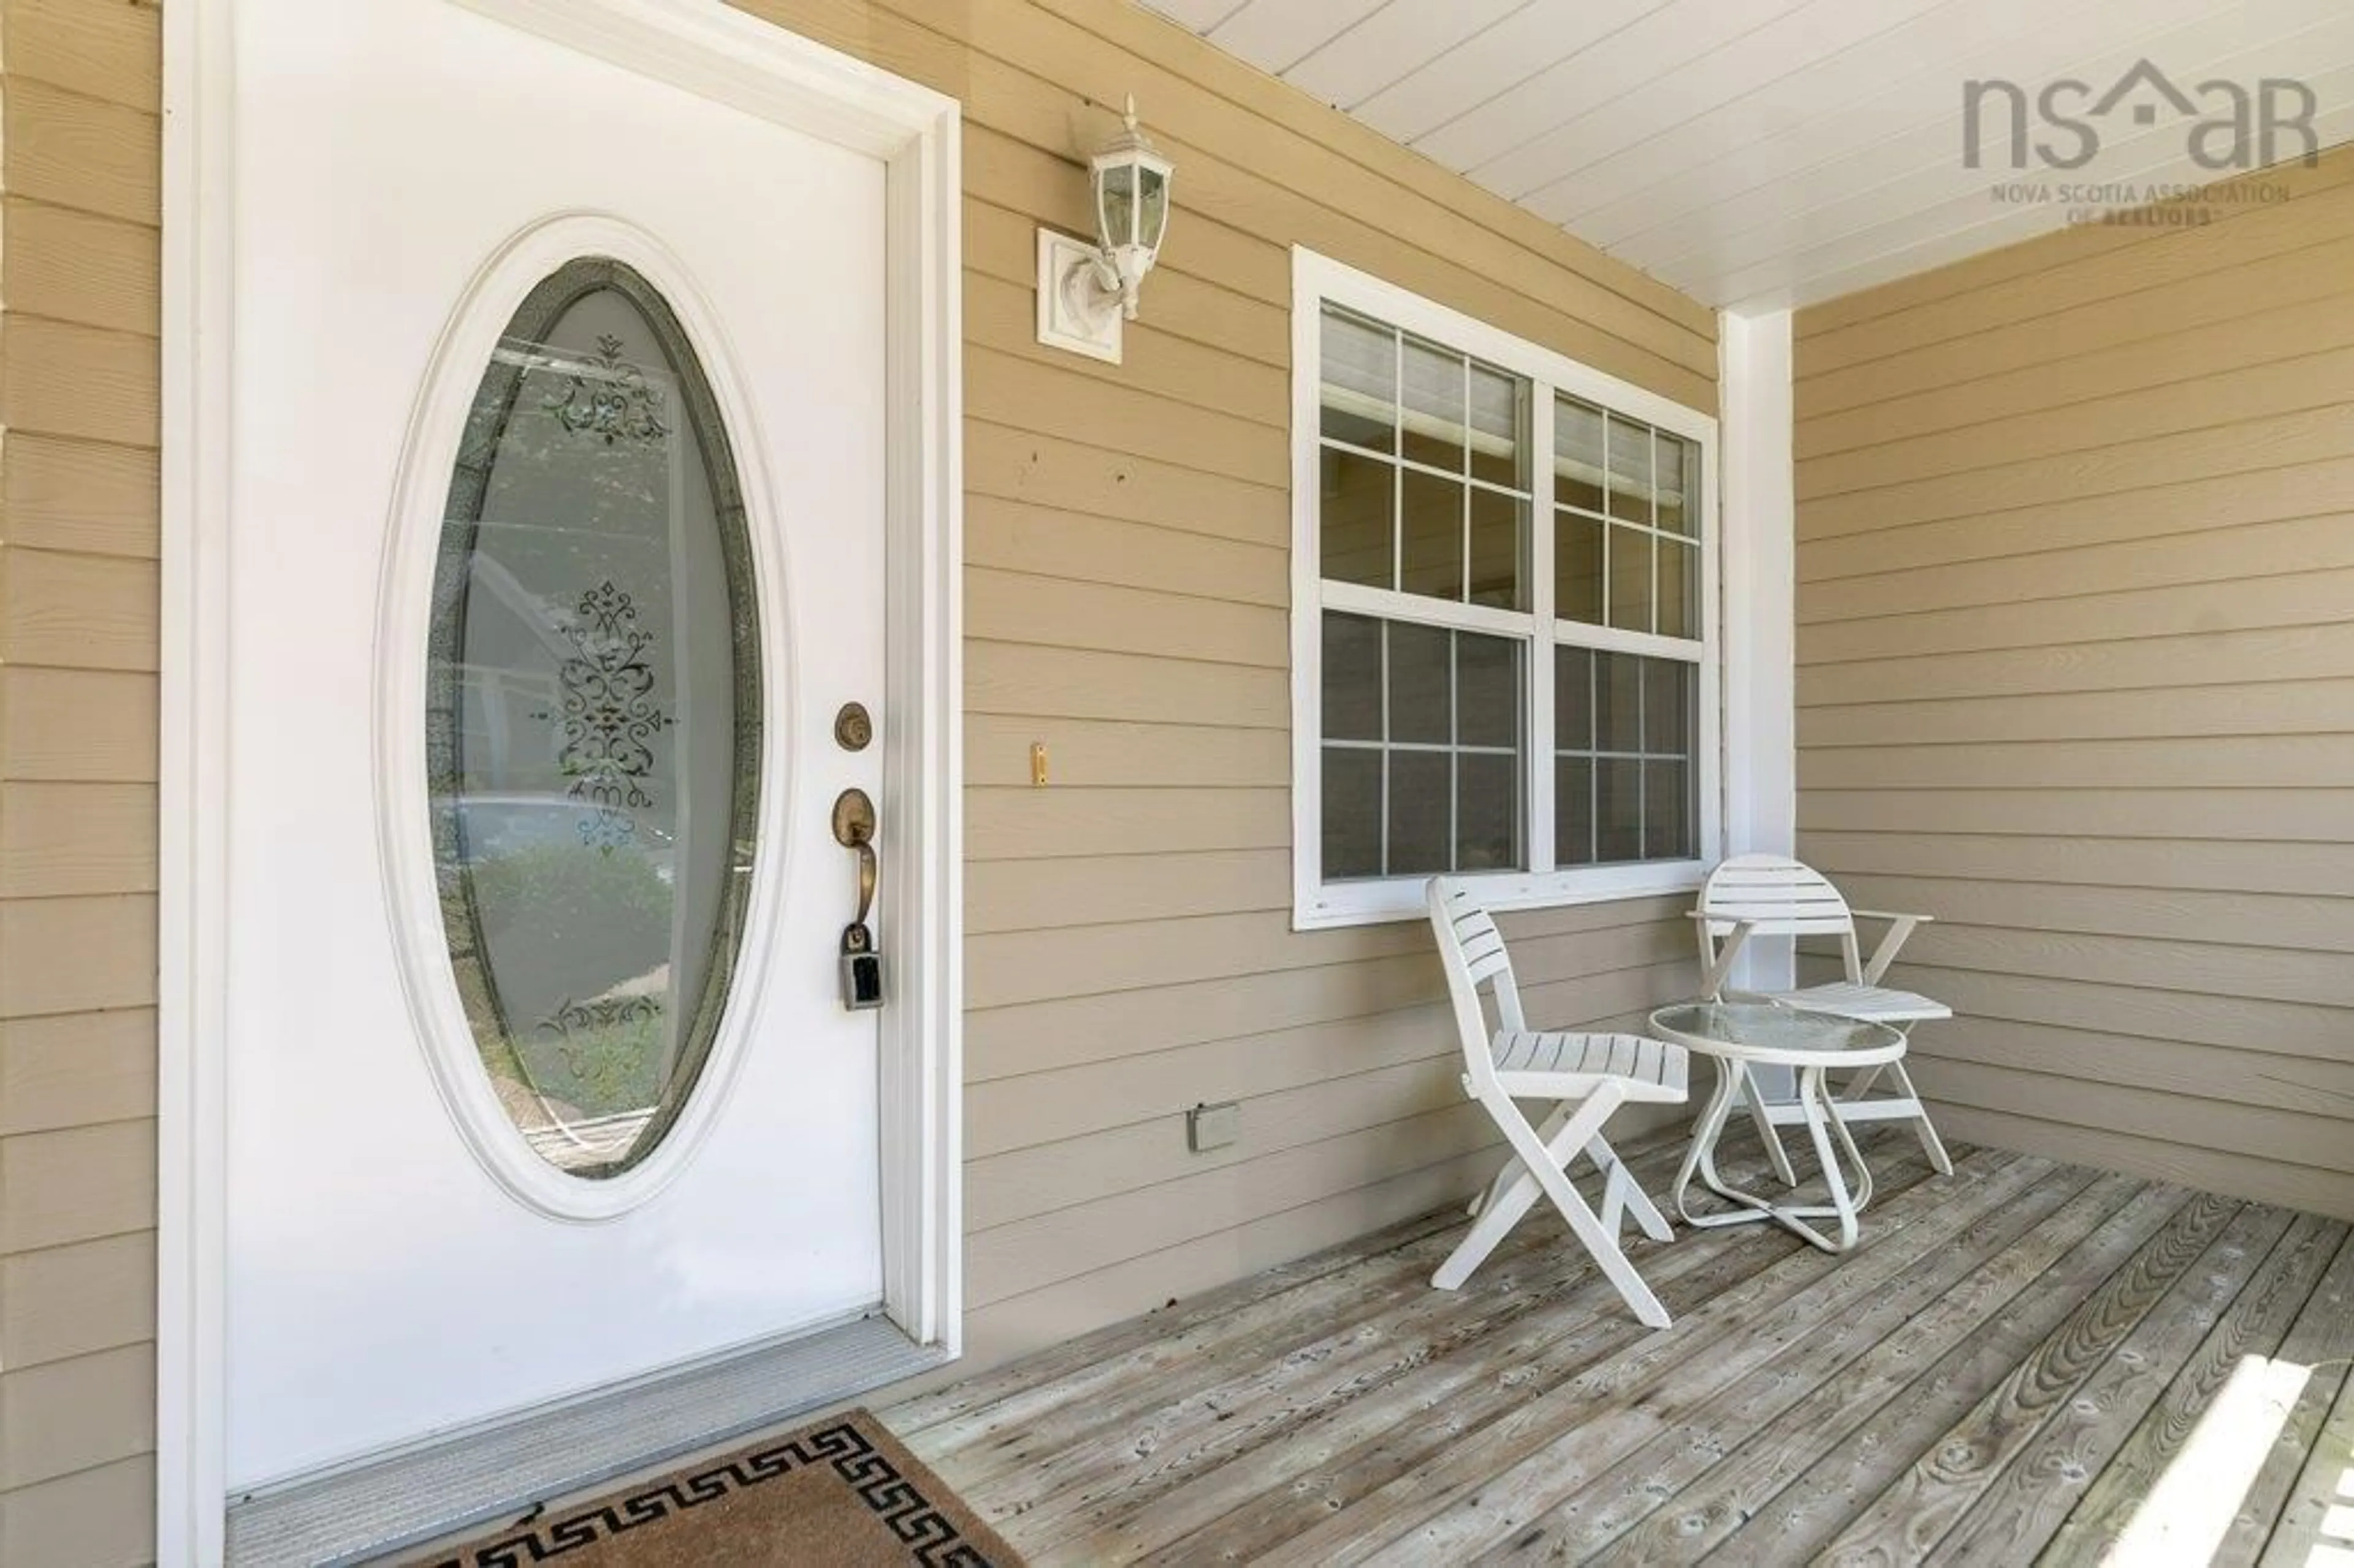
{"type": "Point", "coordinates": [842, 1493]}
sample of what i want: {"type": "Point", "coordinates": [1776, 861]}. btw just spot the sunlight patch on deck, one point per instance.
{"type": "Point", "coordinates": [2186, 1516]}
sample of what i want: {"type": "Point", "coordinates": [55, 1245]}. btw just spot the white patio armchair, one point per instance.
{"type": "Point", "coordinates": [1772, 895]}
{"type": "Point", "coordinates": [1585, 1077]}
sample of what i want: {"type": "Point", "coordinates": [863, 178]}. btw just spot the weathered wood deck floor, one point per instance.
{"type": "Point", "coordinates": [2002, 1371]}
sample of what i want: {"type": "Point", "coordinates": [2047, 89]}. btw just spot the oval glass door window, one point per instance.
{"type": "Point", "coordinates": [593, 719]}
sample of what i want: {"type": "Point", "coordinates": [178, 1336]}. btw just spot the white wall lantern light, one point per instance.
{"type": "Point", "coordinates": [1085, 291]}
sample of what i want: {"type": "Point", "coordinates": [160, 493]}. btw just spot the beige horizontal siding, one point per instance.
{"type": "Point", "coordinates": [1116, 754]}
{"type": "Point", "coordinates": [76, 1070]}
{"type": "Point", "coordinates": [2136, 463]}
{"type": "Point", "coordinates": [1068, 1308]}
{"type": "Point", "coordinates": [58, 839]}
{"type": "Point", "coordinates": [1129, 950]}
{"type": "Point", "coordinates": [60, 1417]}
{"type": "Point", "coordinates": [78, 1299]}
{"type": "Point", "coordinates": [2279, 265]}
{"type": "Point", "coordinates": [2057, 273]}
{"type": "Point", "coordinates": [65, 494]}
{"type": "Point", "coordinates": [104, 1514]}
{"type": "Point", "coordinates": [1037, 490]}
{"type": "Point", "coordinates": [2224, 865]}
{"type": "Point", "coordinates": [80, 171]}
{"type": "Point", "coordinates": [2230, 496]}
{"type": "Point", "coordinates": [2076, 675]}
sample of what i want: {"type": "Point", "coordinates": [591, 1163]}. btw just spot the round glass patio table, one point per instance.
{"type": "Point", "coordinates": [1740, 1035]}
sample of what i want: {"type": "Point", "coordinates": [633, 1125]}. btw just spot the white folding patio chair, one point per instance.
{"type": "Point", "coordinates": [1583, 1077]}
{"type": "Point", "coordinates": [1772, 895]}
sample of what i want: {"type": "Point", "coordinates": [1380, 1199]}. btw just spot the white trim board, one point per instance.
{"type": "Point", "coordinates": [190, 1332]}
{"type": "Point", "coordinates": [1760, 613]}
{"type": "Point", "coordinates": [732, 58]}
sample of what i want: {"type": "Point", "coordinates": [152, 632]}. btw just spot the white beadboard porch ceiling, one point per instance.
{"type": "Point", "coordinates": [1758, 154]}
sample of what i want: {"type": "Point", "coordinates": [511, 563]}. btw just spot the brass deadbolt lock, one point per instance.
{"type": "Point", "coordinates": [854, 730]}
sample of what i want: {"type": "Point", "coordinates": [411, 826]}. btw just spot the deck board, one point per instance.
{"type": "Point", "coordinates": [2311, 1524]}
{"type": "Point", "coordinates": [2004, 1368]}
{"type": "Point", "coordinates": [1643, 1396]}
{"type": "Point", "coordinates": [1803, 1390]}
{"type": "Point", "coordinates": [1136, 1477]}
{"type": "Point", "coordinates": [1758, 1463]}
{"type": "Point", "coordinates": [2320, 1325]}
{"type": "Point", "coordinates": [2245, 1313]}
{"type": "Point", "coordinates": [1913, 1514]}
{"type": "Point", "coordinates": [1255, 1496]}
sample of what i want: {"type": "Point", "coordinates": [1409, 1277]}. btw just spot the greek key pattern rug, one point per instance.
{"type": "Point", "coordinates": [842, 1493]}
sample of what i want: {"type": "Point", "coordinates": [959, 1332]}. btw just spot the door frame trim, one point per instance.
{"type": "Point", "coordinates": [729, 57]}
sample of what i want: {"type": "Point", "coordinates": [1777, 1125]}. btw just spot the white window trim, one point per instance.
{"type": "Point", "coordinates": [1316, 281]}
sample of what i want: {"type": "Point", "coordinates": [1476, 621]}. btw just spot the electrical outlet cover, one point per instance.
{"type": "Point", "coordinates": [1213, 1126]}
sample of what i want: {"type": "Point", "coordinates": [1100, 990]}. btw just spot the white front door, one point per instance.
{"type": "Point", "coordinates": [557, 545]}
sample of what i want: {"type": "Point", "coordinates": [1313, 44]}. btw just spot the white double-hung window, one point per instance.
{"type": "Point", "coordinates": [1503, 614]}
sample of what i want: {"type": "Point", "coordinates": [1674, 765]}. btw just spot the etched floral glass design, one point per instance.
{"type": "Point", "coordinates": [593, 719]}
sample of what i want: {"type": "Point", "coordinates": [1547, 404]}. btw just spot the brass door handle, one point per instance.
{"type": "Point", "coordinates": [854, 828]}
{"type": "Point", "coordinates": [862, 966]}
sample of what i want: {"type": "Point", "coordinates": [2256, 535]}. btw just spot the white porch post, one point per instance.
{"type": "Point", "coordinates": [1760, 513]}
